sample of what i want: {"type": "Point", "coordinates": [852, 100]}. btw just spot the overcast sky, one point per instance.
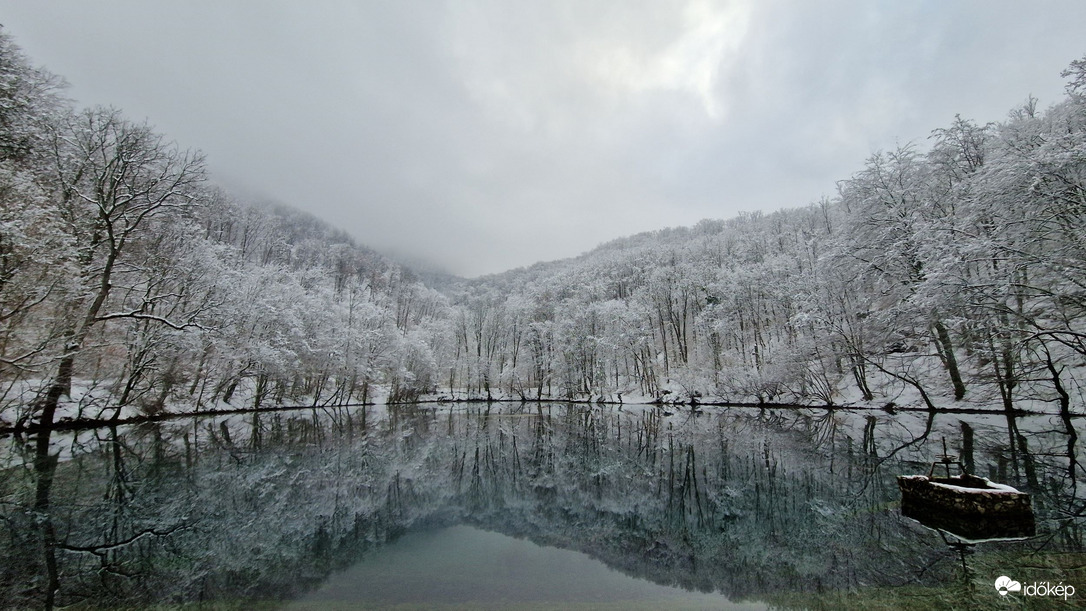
{"type": "Point", "coordinates": [483, 136]}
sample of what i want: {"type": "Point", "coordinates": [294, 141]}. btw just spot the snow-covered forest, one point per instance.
{"type": "Point", "coordinates": [944, 272]}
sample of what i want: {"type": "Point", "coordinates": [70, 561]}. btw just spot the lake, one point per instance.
{"type": "Point", "coordinates": [528, 506]}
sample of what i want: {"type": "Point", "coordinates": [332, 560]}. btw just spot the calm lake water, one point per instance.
{"type": "Point", "coordinates": [528, 506]}
{"type": "Point", "coordinates": [473, 568]}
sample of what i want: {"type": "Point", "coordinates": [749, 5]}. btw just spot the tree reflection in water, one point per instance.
{"type": "Point", "coordinates": [796, 507]}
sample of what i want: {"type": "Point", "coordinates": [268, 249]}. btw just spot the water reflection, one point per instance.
{"type": "Point", "coordinates": [793, 507]}
{"type": "Point", "coordinates": [472, 568]}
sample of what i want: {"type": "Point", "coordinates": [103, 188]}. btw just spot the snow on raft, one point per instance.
{"type": "Point", "coordinates": [967, 506]}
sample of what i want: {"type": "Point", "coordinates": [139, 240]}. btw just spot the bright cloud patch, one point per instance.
{"type": "Point", "coordinates": [706, 42]}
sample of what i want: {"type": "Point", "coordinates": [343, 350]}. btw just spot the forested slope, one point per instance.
{"type": "Point", "coordinates": [951, 272]}
{"type": "Point", "coordinates": [943, 273]}
{"type": "Point", "coordinates": [128, 280]}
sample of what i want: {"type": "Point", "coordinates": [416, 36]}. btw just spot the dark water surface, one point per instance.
{"type": "Point", "coordinates": [528, 506]}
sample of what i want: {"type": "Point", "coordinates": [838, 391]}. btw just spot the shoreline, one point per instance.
{"type": "Point", "coordinates": [97, 423]}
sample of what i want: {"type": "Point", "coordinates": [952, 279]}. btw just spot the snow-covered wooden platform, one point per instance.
{"type": "Point", "coordinates": [966, 505]}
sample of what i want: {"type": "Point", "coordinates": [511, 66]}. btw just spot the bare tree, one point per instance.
{"type": "Point", "coordinates": [112, 177]}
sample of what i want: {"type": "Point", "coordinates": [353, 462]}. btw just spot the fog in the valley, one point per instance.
{"type": "Point", "coordinates": [484, 136]}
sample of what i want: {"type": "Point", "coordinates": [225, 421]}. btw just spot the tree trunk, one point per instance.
{"type": "Point", "coordinates": [946, 351]}
{"type": "Point", "coordinates": [859, 372]}
{"type": "Point", "coordinates": [45, 465]}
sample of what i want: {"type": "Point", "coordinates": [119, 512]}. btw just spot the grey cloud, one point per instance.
{"type": "Point", "coordinates": [489, 135]}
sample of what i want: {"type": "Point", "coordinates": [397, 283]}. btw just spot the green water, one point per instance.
{"type": "Point", "coordinates": [463, 566]}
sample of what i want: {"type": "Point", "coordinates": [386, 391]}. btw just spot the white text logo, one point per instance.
{"type": "Point", "coordinates": [1005, 585]}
